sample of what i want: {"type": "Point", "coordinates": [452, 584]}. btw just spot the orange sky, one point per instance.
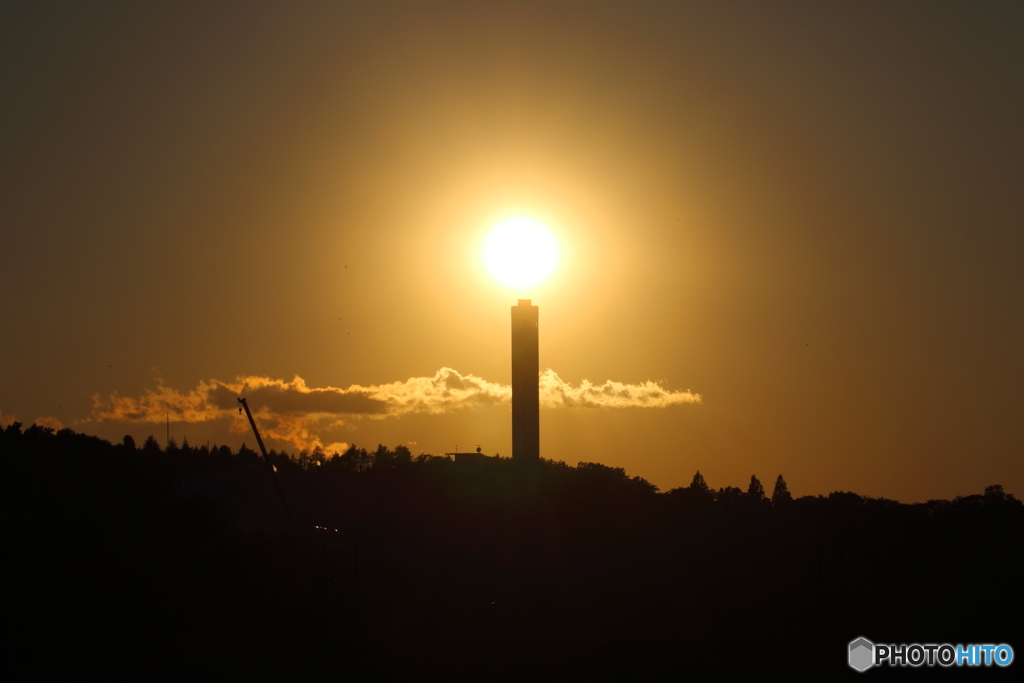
{"type": "Point", "coordinates": [810, 216]}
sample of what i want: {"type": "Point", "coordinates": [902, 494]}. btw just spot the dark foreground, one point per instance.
{"type": "Point", "coordinates": [149, 560]}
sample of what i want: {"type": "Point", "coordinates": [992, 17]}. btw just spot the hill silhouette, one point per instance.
{"type": "Point", "coordinates": [401, 566]}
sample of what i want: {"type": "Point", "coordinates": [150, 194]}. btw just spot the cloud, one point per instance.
{"type": "Point", "coordinates": [295, 413]}
{"type": "Point", "coordinates": [291, 412]}
{"type": "Point", "coordinates": [43, 421]}
{"type": "Point", "coordinates": [49, 421]}
{"type": "Point", "coordinates": [447, 390]}
{"type": "Point", "coordinates": [555, 393]}
{"type": "Point", "coordinates": [214, 399]}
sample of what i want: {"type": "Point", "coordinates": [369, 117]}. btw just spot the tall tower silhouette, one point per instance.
{"type": "Point", "coordinates": [525, 401]}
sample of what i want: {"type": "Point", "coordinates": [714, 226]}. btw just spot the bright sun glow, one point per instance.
{"type": "Point", "coordinates": [520, 252]}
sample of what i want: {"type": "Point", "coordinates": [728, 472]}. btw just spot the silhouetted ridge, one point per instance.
{"type": "Point", "coordinates": [407, 565]}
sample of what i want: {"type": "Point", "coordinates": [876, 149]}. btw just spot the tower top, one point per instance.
{"type": "Point", "coordinates": [524, 302]}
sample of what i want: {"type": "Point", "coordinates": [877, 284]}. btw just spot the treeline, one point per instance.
{"type": "Point", "coordinates": [38, 443]}
{"type": "Point", "coordinates": [397, 565]}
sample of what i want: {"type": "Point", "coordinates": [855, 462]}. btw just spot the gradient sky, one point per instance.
{"type": "Point", "coordinates": [809, 214]}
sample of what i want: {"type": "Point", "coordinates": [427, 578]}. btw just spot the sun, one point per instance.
{"type": "Point", "coordinates": [520, 252]}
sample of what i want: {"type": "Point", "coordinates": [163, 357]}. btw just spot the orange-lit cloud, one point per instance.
{"type": "Point", "coordinates": [43, 421]}
{"type": "Point", "coordinates": [294, 412]}
{"type": "Point", "coordinates": [49, 421]}
{"type": "Point", "coordinates": [447, 390]}
{"type": "Point", "coordinates": [555, 393]}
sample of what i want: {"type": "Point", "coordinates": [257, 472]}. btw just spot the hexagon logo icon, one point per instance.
{"type": "Point", "coordinates": [862, 654]}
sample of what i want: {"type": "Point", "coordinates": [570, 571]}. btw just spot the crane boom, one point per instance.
{"type": "Point", "coordinates": [266, 458]}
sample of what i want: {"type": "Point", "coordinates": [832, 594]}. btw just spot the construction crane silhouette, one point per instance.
{"type": "Point", "coordinates": [266, 458]}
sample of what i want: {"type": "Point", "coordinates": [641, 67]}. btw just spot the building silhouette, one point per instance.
{"type": "Point", "coordinates": [525, 401]}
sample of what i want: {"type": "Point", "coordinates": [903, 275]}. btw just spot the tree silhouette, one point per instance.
{"type": "Point", "coordinates": [385, 459]}
{"type": "Point", "coordinates": [755, 492]}
{"type": "Point", "coordinates": [309, 460]}
{"type": "Point", "coordinates": [245, 454]}
{"type": "Point", "coordinates": [354, 459]}
{"type": "Point", "coordinates": [697, 493]}
{"type": "Point", "coordinates": [781, 495]}
{"type": "Point", "coordinates": [995, 493]}
{"type": "Point", "coordinates": [728, 495]}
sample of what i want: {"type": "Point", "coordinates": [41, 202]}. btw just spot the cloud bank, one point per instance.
{"type": "Point", "coordinates": [43, 421]}
{"type": "Point", "coordinates": [293, 412]}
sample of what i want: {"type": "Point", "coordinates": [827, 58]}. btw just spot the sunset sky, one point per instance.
{"type": "Point", "coordinates": [791, 234]}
